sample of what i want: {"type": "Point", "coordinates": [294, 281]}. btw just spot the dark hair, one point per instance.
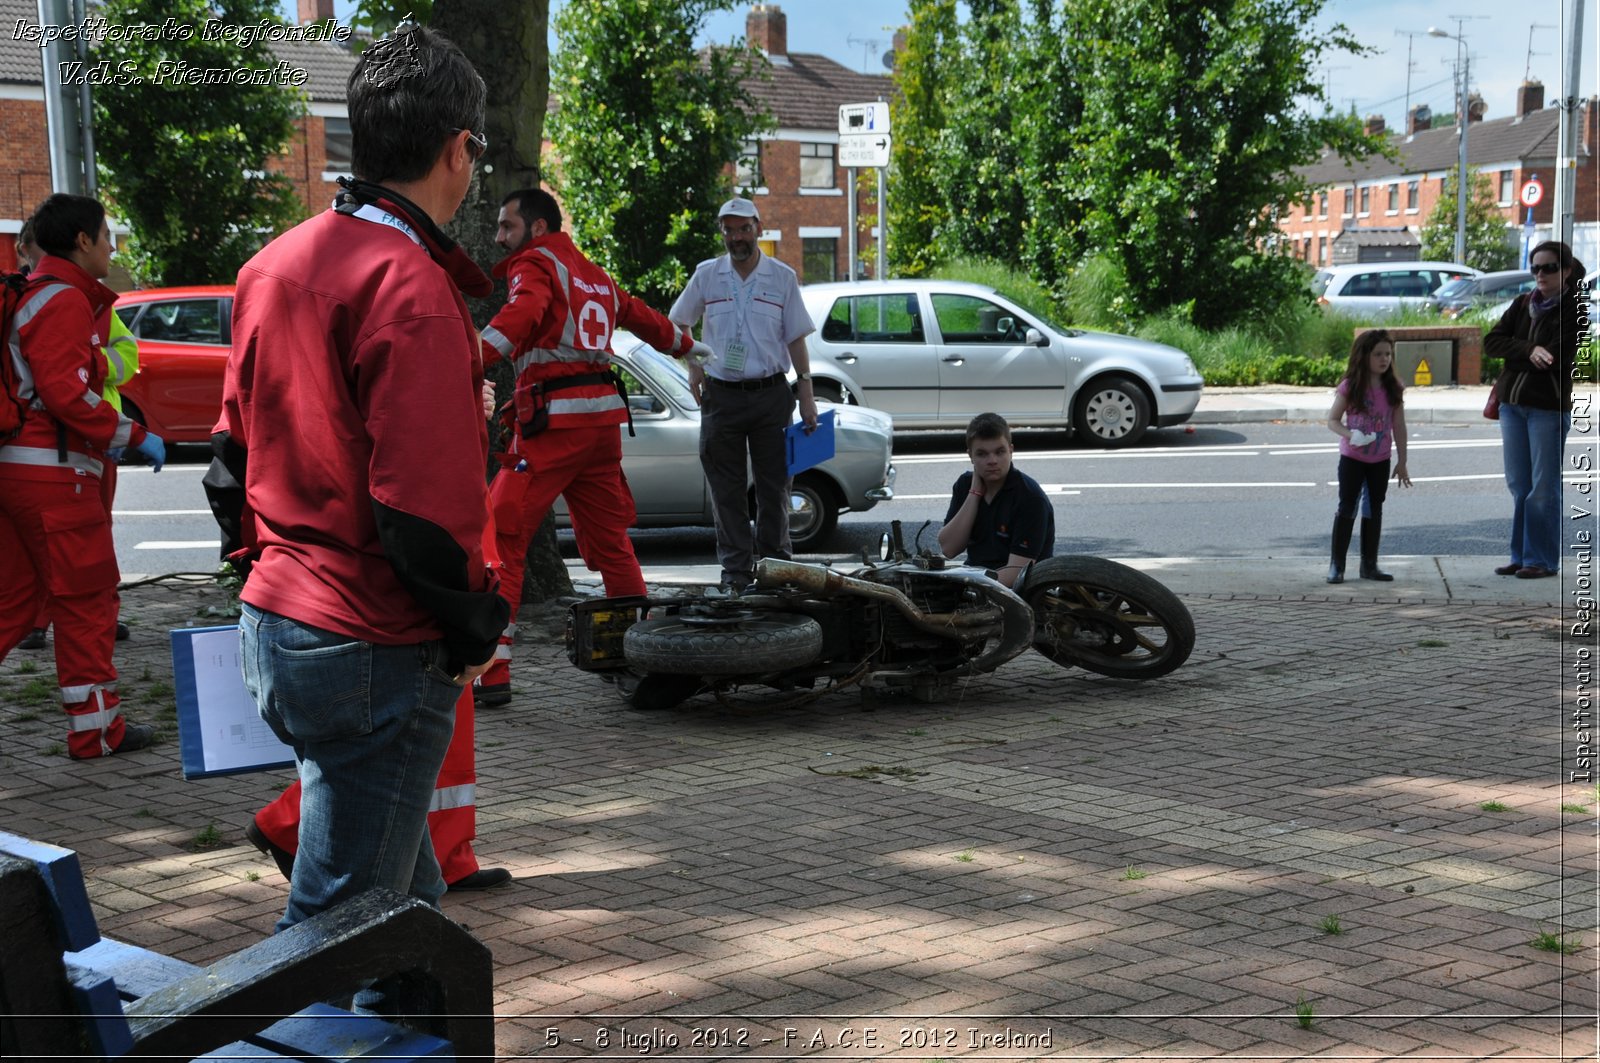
{"type": "Point", "coordinates": [535, 204]}
{"type": "Point", "coordinates": [987, 426]}
{"type": "Point", "coordinates": [1359, 372]}
{"type": "Point", "coordinates": [58, 221]}
{"type": "Point", "coordinates": [407, 95]}
{"type": "Point", "coordinates": [1571, 268]}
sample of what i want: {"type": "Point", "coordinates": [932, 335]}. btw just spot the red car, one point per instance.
{"type": "Point", "coordinates": [183, 338]}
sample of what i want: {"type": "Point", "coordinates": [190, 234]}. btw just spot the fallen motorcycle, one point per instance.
{"type": "Point", "coordinates": [912, 623]}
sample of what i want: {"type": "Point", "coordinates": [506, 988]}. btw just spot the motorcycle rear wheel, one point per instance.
{"type": "Point", "coordinates": [1107, 618]}
{"type": "Point", "coordinates": [747, 646]}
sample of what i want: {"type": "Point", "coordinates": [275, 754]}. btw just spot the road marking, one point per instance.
{"type": "Point", "coordinates": [173, 544]}
{"type": "Point", "coordinates": [161, 513]}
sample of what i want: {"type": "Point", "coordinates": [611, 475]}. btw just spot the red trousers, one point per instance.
{"type": "Point", "coordinates": [452, 818]}
{"type": "Point", "coordinates": [108, 494]}
{"type": "Point", "coordinates": [55, 536]}
{"type": "Point", "coordinates": [584, 466]}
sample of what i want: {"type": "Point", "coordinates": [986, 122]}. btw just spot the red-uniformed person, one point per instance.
{"type": "Point", "coordinates": [556, 328]}
{"type": "Point", "coordinates": [54, 528]}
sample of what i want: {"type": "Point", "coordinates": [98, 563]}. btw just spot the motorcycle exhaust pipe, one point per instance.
{"type": "Point", "coordinates": [1007, 612]}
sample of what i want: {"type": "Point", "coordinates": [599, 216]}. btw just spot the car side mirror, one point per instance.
{"type": "Point", "coordinates": [1035, 338]}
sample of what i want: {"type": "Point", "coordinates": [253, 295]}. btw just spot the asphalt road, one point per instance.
{"type": "Point", "coordinates": [1254, 490]}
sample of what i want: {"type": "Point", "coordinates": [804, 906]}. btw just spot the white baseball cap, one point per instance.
{"type": "Point", "coordinates": [738, 207]}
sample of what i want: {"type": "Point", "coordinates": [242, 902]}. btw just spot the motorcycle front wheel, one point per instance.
{"type": "Point", "coordinates": [750, 645]}
{"type": "Point", "coordinates": [1106, 617]}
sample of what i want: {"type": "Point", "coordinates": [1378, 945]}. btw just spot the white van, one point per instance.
{"type": "Point", "coordinates": [1377, 288]}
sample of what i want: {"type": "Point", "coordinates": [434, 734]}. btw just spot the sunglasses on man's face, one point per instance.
{"type": "Point", "coordinates": [1544, 267]}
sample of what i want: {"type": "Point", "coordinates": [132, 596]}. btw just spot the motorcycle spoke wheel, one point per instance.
{"type": "Point", "coordinates": [1107, 618]}
{"type": "Point", "coordinates": [749, 645]}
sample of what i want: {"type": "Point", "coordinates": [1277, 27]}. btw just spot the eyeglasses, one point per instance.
{"type": "Point", "coordinates": [1544, 267]}
{"type": "Point", "coordinates": [744, 229]}
{"type": "Point", "coordinates": [479, 141]}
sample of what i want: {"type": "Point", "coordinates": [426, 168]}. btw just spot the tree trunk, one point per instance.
{"type": "Point", "coordinates": [506, 42]}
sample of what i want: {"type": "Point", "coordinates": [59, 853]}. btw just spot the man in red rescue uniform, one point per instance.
{"type": "Point", "coordinates": [556, 328]}
{"type": "Point", "coordinates": [54, 528]}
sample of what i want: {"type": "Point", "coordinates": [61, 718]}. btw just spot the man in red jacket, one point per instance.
{"type": "Point", "coordinates": [54, 528]}
{"type": "Point", "coordinates": [354, 389]}
{"type": "Point", "coordinates": [556, 327]}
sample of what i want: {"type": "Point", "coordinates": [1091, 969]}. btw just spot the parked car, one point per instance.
{"type": "Point", "coordinates": [1378, 288]}
{"type": "Point", "coordinates": [183, 345]}
{"type": "Point", "coordinates": [1456, 297]}
{"type": "Point", "coordinates": [934, 353]}
{"type": "Point", "coordinates": [1489, 316]}
{"type": "Point", "coordinates": [662, 460]}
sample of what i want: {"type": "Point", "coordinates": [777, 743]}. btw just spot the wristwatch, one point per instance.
{"type": "Point", "coordinates": [802, 376]}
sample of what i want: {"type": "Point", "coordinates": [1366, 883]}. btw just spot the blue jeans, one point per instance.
{"type": "Point", "coordinates": [369, 725]}
{"type": "Point", "coordinates": [1533, 442]}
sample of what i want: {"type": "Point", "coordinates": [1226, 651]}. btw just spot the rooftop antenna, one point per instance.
{"type": "Point", "coordinates": [1527, 70]}
{"type": "Point", "coordinates": [869, 48]}
{"type": "Point", "coordinates": [1411, 37]}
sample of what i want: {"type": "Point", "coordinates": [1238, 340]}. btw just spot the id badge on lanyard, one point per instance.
{"type": "Point", "coordinates": [735, 353]}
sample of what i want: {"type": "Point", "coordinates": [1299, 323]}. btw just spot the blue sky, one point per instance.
{"type": "Point", "coordinates": [857, 32]}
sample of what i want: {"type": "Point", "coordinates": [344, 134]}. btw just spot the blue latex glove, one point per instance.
{"type": "Point", "coordinates": [154, 449]}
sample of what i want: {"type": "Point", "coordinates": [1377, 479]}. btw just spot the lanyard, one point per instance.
{"type": "Point", "coordinates": [742, 295]}
{"type": "Point", "coordinates": [368, 212]}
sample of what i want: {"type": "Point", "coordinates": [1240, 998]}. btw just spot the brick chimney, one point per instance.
{"type": "Point", "coordinates": [1477, 107]}
{"type": "Point", "coordinates": [767, 28]}
{"type": "Point", "coordinates": [1375, 124]}
{"type": "Point", "coordinates": [315, 11]}
{"type": "Point", "coordinates": [1530, 98]}
{"type": "Point", "coordinates": [1419, 118]}
{"type": "Point", "coordinates": [1591, 124]}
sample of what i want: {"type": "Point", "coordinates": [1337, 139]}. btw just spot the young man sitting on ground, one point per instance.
{"type": "Point", "coordinates": [999, 515]}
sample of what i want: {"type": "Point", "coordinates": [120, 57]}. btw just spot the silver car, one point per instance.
{"type": "Point", "coordinates": [934, 353]}
{"type": "Point", "coordinates": [662, 461]}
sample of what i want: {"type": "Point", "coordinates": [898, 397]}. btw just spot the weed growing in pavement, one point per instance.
{"type": "Point", "coordinates": [252, 876]}
{"type": "Point", "coordinates": [145, 813]}
{"type": "Point", "coordinates": [54, 749]}
{"type": "Point", "coordinates": [1304, 1012]}
{"type": "Point", "coordinates": [1433, 643]}
{"type": "Point", "coordinates": [1330, 925]}
{"type": "Point", "coordinates": [145, 676]}
{"type": "Point", "coordinates": [965, 857]}
{"type": "Point", "coordinates": [1577, 810]}
{"type": "Point", "coordinates": [158, 690]}
{"type": "Point", "coordinates": [916, 732]}
{"type": "Point", "coordinates": [1495, 806]}
{"type": "Point", "coordinates": [208, 838]}
{"type": "Point", "coordinates": [27, 668]}
{"type": "Point", "coordinates": [1549, 942]}
{"type": "Point", "coordinates": [35, 691]}
{"type": "Point", "coordinates": [25, 717]}
{"type": "Point", "coordinates": [1133, 874]}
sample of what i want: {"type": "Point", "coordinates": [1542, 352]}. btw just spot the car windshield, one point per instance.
{"type": "Point", "coordinates": [665, 374]}
{"type": "Point", "coordinates": [1459, 286]}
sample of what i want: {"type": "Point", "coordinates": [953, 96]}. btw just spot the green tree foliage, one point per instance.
{"type": "Point", "coordinates": [1490, 243]}
{"type": "Point", "coordinates": [185, 164]}
{"type": "Point", "coordinates": [643, 135]}
{"type": "Point", "coordinates": [1163, 133]}
{"type": "Point", "coordinates": [917, 116]}
{"type": "Point", "coordinates": [378, 18]}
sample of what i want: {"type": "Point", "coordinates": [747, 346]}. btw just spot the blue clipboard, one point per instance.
{"type": "Point", "coordinates": [219, 730]}
{"type": "Point", "coordinates": [806, 451]}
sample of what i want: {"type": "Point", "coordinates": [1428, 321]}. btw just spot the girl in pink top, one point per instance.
{"type": "Point", "coordinates": [1368, 416]}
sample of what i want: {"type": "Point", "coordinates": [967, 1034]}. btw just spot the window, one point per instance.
{"type": "Point", "coordinates": [968, 319]}
{"type": "Point", "coordinates": [747, 170]}
{"type": "Point", "coordinates": [1322, 205]}
{"type": "Point", "coordinates": [1411, 196]}
{"type": "Point", "coordinates": [1366, 201]}
{"type": "Point", "coordinates": [188, 321]}
{"type": "Point", "coordinates": [819, 258]}
{"type": "Point", "coordinates": [1394, 199]}
{"type": "Point", "coordinates": [1361, 284]}
{"type": "Point", "coordinates": [874, 319]}
{"type": "Point", "coordinates": [336, 144]}
{"type": "Point", "coordinates": [816, 165]}
{"type": "Point", "coordinates": [1349, 201]}
{"type": "Point", "coordinates": [1322, 250]}
{"type": "Point", "coordinates": [1409, 283]}
{"type": "Point", "coordinates": [1506, 189]}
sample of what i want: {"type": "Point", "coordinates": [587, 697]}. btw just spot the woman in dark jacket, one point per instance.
{"type": "Point", "coordinates": [1538, 338]}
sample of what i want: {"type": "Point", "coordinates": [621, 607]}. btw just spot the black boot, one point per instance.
{"type": "Point", "coordinates": [1342, 527]}
{"type": "Point", "coordinates": [1371, 532]}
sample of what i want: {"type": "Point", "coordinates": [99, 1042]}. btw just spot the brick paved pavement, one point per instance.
{"type": "Point", "coordinates": [1048, 864]}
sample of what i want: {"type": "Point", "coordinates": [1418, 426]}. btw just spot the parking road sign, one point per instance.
{"type": "Point", "coordinates": [1532, 192]}
{"type": "Point", "coordinates": [863, 151]}
{"type": "Point", "coordinates": [863, 118]}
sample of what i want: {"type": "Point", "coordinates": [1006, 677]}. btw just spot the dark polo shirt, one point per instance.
{"type": "Point", "coordinates": [1017, 520]}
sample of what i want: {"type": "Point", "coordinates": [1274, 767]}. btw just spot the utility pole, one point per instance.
{"type": "Point", "coordinates": [1566, 160]}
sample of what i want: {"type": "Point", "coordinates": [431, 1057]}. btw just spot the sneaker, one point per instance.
{"type": "Point", "coordinates": [485, 878]}
{"type": "Point", "coordinates": [280, 856]}
{"type": "Point", "coordinates": [34, 641]}
{"type": "Point", "coordinates": [122, 631]}
{"type": "Point", "coordinates": [492, 695]}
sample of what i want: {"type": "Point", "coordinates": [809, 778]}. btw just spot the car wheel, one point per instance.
{"type": "Point", "coordinates": [831, 391]}
{"type": "Point", "coordinates": [1111, 412]}
{"type": "Point", "coordinates": [813, 511]}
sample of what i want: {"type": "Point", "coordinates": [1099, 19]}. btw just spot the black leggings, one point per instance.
{"type": "Point", "coordinates": [1354, 475]}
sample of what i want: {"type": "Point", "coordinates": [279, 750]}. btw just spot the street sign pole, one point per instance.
{"type": "Point", "coordinates": [883, 227]}
{"type": "Point", "coordinates": [850, 264]}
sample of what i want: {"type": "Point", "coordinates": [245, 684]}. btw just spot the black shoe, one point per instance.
{"type": "Point", "coordinates": [1335, 574]}
{"type": "Point", "coordinates": [1509, 570]}
{"type": "Point", "coordinates": [491, 695]}
{"type": "Point", "coordinates": [1375, 573]}
{"type": "Point", "coordinates": [135, 736]}
{"type": "Point", "coordinates": [122, 631]}
{"type": "Point", "coordinates": [485, 878]}
{"type": "Point", "coordinates": [36, 641]}
{"type": "Point", "coordinates": [280, 856]}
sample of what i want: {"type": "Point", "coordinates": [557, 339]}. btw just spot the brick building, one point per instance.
{"type": "Point", "coordinates": [317, 154]}
{"type": "Point", "coordinates": [1375, 209]}
{"type": "Point", "coordinates": [793, 172]}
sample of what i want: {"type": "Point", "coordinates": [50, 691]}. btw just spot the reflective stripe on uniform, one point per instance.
{"type": "Point", "coordinates": [446, 797]}
{"type": "Point", "coordinates": [598, 404]}
{"type": "Point", "coordinates": [26, 313]}
{"type": "Point", "coordinates": [79, 694]}
{"type": "Point", "coordinates": [117, 353]}
{"type": "Point", "coordinates": [13, 454]}
{"type": "Point", "coordinates": [560, 355]}
{"type": "Point", "coordinates": [510, 632]}
{"type": "Point", "coordinates": [502, 652]}
{"type": "Point", "coordinates": [122, 435]}
{"type": "Point", "coordinates": [497, 339]}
